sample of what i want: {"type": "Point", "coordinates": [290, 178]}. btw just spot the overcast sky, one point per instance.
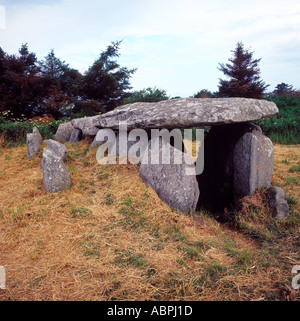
{"type": "Point", "coordinates": [176, 45]}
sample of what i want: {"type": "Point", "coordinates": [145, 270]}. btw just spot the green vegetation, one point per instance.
{"type": "Point", "coordinates": [32, 88]}
{"type": "Point", "coordinates": [147, 95]}
{"type": "Point", "coordinates": [283, 128]}
{"type": "Point", "coordinates": [15, 130]}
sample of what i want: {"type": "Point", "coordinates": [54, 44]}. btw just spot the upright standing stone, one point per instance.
{"type": "Point", "coordinates": [56, 177]}
{"type": "Point", "coordinates": [278, 203]}
{"type": "Point", "coordinates": [36, 132]}
{"type": "Point", "coordinates": [253, 159]}
{"type": "Point", "coordinates": [33, 141]}
{"type": "Point", "coordinates": [175, 183]}
{"type": "Point", "coordinates": [58, 148]}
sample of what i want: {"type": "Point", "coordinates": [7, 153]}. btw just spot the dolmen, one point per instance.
{"type": "Point", "coordinates": [238, 157]}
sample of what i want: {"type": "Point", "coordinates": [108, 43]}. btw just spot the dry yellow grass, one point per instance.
{"type": "Point", "coordinates": [111, 238]}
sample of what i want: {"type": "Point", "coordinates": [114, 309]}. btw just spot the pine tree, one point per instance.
{"type": "Point", "coordinates": [283, 89]}
{"type": "Point", "coordinates": [106, 81]}
{"type": "Point", "coordinates": [60, 84]}
{"type": "Point", "coordinates": [20, 82]}
{"type": "Point", "coordinates": [244, 75]}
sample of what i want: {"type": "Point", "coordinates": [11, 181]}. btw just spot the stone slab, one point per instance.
{"type": "Point", "coordinates": [182, 113]}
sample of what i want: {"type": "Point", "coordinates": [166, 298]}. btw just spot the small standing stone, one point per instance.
{"type": "Point", "coordinates": [33, 141]}
{"type": "Point", "coordinates": [56, 176]}
{"type": "Point", "coordinates": [278, 203]}
{"type": "Point", "coordinates": [36, 132]}
{"type": "Point", "coordinates": [58, 148]}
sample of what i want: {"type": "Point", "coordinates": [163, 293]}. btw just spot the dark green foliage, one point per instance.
{"type": "Point", "coordinates": [283, 89]}
{"type": "Point", "coordinates": [285, 127]}
{"type": "Point", "coordinates": [30, 88]}
{"type": "Point", "coordinates": [106, 81]}
{"type": "Point", "coordinates": [86, 108]}
{"type": "Point", "coordinates": [244, 75]}
{"type": "Point", "coordinates": [295, 169]}
{"type": "Point", "coordinates": [60, 83]}
{"type": "Point", "coordinates": [204, 93]}
{"type": "Point", "coordinates": [148, 95]}
{"type": "Point", "coordinates": [20, 82]}
{"type": "Point", "coordinates": [53, 68]}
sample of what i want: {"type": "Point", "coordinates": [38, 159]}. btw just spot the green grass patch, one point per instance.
{"type": "Point", "coordinates": [130, 258]}
{"type": "Point", "coordinates": [295, 169]}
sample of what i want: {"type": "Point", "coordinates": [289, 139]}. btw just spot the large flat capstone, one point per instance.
{"type": "Point", "coordinates": [181, 113]}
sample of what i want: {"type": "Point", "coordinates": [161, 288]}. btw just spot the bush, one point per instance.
{"type": "Point", "coordinates": [148, 95]}
{"type": "Point", "coordinates": [15, 131]}
{"type": "Point", "coordinates": [283, 128]}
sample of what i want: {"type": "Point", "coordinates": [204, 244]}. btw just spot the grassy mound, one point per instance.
{"type": "Point", "coordinates": [111, 238]}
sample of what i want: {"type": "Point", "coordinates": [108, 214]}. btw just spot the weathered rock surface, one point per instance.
{"type": "Point", "coordinates": [58, 148]}
{"type": "Point", "coordinates": [101, 137]}
{"type": "Point", "coordinates": [33, 141]}
{"type": "Point", "coordinates": [278, 203]}
{"type": "Point", "coordinates": [171, 182]}
{"type": "Point", "coordinates": [253, 159]}
{"type": "Point", "coordinates": [56, 177]}
{"type": "Point", "coordinates": [127, 147]}
{"type": "Point", "coordinates": [181, 113]}
{"type": "Point", "coordinates": [124, 144]}
{"type": "Point", "coordinates": [86, 125]}
{"type": "Point", "coordinates": [64, 132]}
{"type": "Point", "coordinates": [36, 132]}
{"type": "Point", "coordinates": [76, 136]}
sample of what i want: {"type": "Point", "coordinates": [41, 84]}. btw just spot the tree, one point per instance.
{"type": "Point", "coordinates": [3, 70]}
{"type": "Point", "coordinates": [244, 75]}
{"type": "Point", "coordinates": [106, 81]}
{"type": "Point", "coordinates": [147, 95]}
{"type": "Point", "coordinates": [204, 93]}
{"type": "Point", "coordinates": [61, 84]}
{"type": "Point", "coordinates": [20, 82]}
{"type": "Point", "coordinates": [52, 68]}
{"type": "Point", "coordinates": [57, 73]}
{"type": "Point", "coordinates": [283, 90]}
